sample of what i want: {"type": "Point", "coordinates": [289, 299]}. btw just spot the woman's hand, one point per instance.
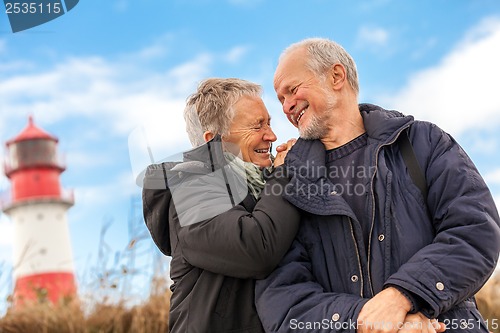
{"type": "Point", "coordinates": [282, 150]}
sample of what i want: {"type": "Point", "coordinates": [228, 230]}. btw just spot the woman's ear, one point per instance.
{"type": "Point", "coordinates": [207, 136]}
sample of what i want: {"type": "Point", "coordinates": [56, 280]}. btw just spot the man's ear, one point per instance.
{"type": "Point", "coordinates": [338, 75]}
{"type": "Point", "coordinates": [207, 136]}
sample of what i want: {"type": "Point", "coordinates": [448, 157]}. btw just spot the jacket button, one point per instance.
{"type": "Point", "coordinates": [335, 317]}
{"type": "Point", "coordinates": [333, 192]}
{"type": "Point", "coordinates": [381, 237]}
{"type": "Point", "coordinates": [440, 286]}
{"type": "Point", "coordinates": [354, 278]}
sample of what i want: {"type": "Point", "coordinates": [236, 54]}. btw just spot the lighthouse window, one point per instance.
{"type": "Point", "coordinates": [39, 216]}
{"type": "Point", "coordinates": [34, 152]}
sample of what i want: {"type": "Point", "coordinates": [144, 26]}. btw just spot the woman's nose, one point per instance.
{"type": "Point", "coordinates": [269, 135]}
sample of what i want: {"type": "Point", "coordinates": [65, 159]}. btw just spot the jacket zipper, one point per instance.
{"type": "Point", "coordinates": [359, 260]}
{"type": "Point", "coordinates": [373, 204]}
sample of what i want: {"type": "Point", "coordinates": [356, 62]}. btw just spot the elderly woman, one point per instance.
{"type": "Point", "coordinates": [223, 225]}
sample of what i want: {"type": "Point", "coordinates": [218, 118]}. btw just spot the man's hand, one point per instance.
{"type": "Point", "coordinates": [418, 323]}
{"type": "Point", "coordinates": [384, 313]}
{"type": "Point", "coordinates": [282, 150]}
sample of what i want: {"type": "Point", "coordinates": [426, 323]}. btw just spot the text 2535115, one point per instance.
{"type": "Point", "coordinates": [32, 8]}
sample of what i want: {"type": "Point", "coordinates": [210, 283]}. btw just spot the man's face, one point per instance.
{"type": "Point", "coordinates": [306, 98]}
{"type": "Point", "coordinates": [250, 131]}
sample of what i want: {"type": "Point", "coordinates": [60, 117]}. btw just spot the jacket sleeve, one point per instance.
{"type": "Point", "coordinates": [291, 299]}
{"type": "Point", "coordinates": [466, 246]}
{"type": "Point", "coordinates": [156, 199]}
{"type": "Point", "coordinates": [239, 243]}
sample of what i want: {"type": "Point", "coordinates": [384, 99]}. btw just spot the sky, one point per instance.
{"type": "Point", "coordinates": [109, 76]}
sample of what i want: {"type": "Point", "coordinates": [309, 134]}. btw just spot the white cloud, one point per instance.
{"type": "Point", "coordinates": [96, 88]}
{"type": "Point", "coordinates": [236, 53]}
{"type": "Point", "coordinates": [369, 36]}
{"type": "Point", "coordinates": [460, 93]}
{"type": "Point", "coordinates": [493, 177]}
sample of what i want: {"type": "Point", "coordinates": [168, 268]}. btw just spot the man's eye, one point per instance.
{"type": "Point", "coordinates": [294, 90]}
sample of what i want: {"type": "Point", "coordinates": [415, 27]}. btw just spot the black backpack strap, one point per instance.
{"type": "Point", "coordinates": [411, 162]}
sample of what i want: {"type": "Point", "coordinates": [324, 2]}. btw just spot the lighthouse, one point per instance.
{"type": "Point", "coordinates": [37, 205]}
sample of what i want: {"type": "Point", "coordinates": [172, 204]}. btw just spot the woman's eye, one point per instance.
{"type": "Point", "coordinates": [258, 127]}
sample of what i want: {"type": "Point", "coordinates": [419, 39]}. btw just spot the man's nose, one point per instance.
{"type": "Point", "coordinates": [288, 106]}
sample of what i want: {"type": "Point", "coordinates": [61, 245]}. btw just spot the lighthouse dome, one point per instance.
{"type": "Point", "coordinates": [30, 132]}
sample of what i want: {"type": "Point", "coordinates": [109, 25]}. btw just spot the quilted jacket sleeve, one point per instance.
{"type": "Point", "coordinates": [466, 246]}
{"type": "Point", "coordinates": [290, 299]}
{"type": "Point", "coordinates": [239, 243]}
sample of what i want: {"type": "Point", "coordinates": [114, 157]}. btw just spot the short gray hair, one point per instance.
{"type": "Point", "coordinates": [210, 108]}
{"type": "Point", "coordinates": [323, 54]}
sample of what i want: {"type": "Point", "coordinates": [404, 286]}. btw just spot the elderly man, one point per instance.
{"type": "Point", "coordinates": [398, 228]}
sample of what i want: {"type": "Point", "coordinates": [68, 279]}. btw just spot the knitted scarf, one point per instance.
{"type": "Point", "coordinates": [249, 171]}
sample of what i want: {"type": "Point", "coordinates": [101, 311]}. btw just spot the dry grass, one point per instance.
{"type": "Point", "coordinates": [488, 301]}
{"type": "Point", "coordinates": [105, 302]}
{"type": "Point", "coordinates": [148, 317]}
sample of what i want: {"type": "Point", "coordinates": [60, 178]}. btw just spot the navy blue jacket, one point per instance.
{"type": "Point", "coordinates": [441, 248]}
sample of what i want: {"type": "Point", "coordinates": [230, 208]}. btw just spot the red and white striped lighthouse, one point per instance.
{"type": "Point", "coordinates": [43, 260]}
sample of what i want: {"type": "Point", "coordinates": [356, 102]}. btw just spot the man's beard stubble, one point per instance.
{"type": "Point", "coordinates": [318, 125]}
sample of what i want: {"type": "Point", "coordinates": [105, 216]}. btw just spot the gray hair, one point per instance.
{"type": "Point", "coordinates": [210, 108]}
{"type": "Point", "coordinates": [323, 54]}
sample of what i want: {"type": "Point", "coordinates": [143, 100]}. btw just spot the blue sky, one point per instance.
{"type": "Point", "coordinates": [107, 72]}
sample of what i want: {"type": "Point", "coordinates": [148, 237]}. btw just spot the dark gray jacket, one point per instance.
{"type": "Point", "coordinates": [221, 241]}
{"type": "Point", "coordinates": [441, 248]}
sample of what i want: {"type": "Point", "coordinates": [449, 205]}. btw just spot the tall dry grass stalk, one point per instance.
{"type": "Point", "coordinates": [488, 302]}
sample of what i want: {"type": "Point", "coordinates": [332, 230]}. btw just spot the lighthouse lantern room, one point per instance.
{"type": "Point", "coordinates": [43, 260]}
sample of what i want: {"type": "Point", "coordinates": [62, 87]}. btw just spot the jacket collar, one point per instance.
{"type": "Point", "coordinates": [309, 188]}
{"type": "Point", "coordinates": [383, 125]}
{"type": "Point", "coordinates": [210, 154]}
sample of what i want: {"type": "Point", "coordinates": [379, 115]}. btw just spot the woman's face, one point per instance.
{"type": "Point", "coordinates": [251, 132]}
